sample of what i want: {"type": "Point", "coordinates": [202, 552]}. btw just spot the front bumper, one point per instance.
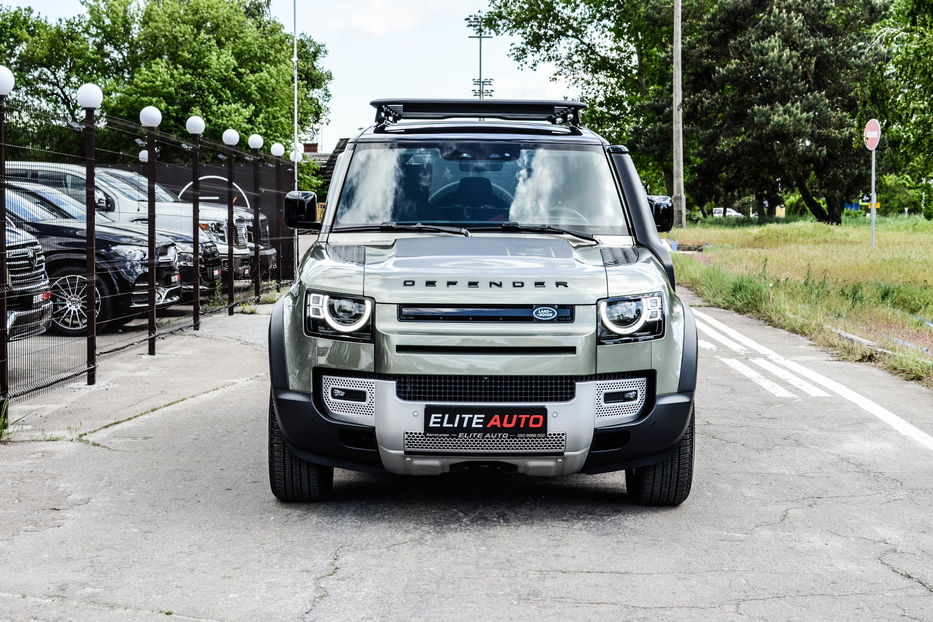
{"type": "Point", "coordinates": [24, 323]}
{"type": "Point", "coordinates": [320, 438]}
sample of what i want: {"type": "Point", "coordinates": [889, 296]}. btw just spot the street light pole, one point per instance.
{"type": "Point", "coordinates": [6, 87]}
{"type": "Point", "coordinates": [277, 150]}
{"type": "Point", "coordinates": [149, 118]}
{"type": "Point", "coordinates": [90, 98]}
{"type": "Point", "coordinates": [255, 142]}
{"type": "Point", "coordinates": [195, 126]}
{"type": "Point", "coordinates": [230, 137]}
{"type": "Point", "coordinates": [680, 216]}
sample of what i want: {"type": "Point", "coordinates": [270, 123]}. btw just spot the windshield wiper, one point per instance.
{"type": "Point", "coordinates": [395, 226]}
{"type": "Point", "coordinates": [514, 226]}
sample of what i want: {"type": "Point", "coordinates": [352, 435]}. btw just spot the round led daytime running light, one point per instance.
{"type": "Point", "coordinates": [346, 328]}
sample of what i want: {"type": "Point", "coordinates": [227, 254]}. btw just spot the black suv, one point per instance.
{"type": "Point", "coordinates": [122, 267]}
{"type": "Point", "coordinates": [58, 202]}
{"type": "Point", "coordinates": [29, 305]}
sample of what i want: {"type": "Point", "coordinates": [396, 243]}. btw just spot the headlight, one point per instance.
{"type": "Point", "coordinates": [171, 253]}
{"type": "Point", "coordinates": [339, 316]}
{"type": "Point", "coordinates": [216, 228]}
{"type": "Point", "coordinates": [632, 318]}
{"type": "Point", "coordinates": [185, 253]}
{"type": "Point", "coordinates": [131, 253]}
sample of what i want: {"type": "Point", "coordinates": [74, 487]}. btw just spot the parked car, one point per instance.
{"type": "Point", "coordinates": [122, 202]}
{"type": "Point", "coordinates": [267, 254]}
{"type": "Point", "coordinates": [28, 303]}
{"type": "Point", "coordinates": [482, 296]}
{"type": "Point", "coordinates": [121, 270]}
{"type": "Point", "coordinates": [729, 213]}
{"type": "Point", "coordinates": [209, 262]}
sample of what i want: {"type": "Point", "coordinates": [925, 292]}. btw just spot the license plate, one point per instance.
{"type": "Point", "coordinates": [485, 421]}
{"type": "Point", "coordinates": [37, 299]}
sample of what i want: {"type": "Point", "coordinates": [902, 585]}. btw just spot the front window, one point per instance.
{"type": "Point", "coordinates": [479, 184]}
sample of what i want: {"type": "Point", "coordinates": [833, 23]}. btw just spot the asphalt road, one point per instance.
{"type": "Point", "coordinates": [812, 500]}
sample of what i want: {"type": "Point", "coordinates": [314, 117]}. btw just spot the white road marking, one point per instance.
{"type": "Point", "coordinates": [706, 345]}
{"type": "Point", "coordinates": [709, 332]}
{"type": "Point", "coordinates": [903, 427]}
{"type": "Point", "coordinates": [783, 374]}
{"type": "Point", "coordinates": [754, 376]}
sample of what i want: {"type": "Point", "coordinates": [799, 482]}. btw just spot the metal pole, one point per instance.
{"type": "Point", "coordinates": [151, 221]}
{"type": "Point", "coordinates": [278, 219]}
{"type": "Point", "coordinates": [4, 279]}
{"type": "Point", "coordinates": [257, 278]}
{"type": "Point", "coordinates": [874, 198]}
{"type": "Point", "coordinates": [481, 89]}
{"type": "Point", "coordinates": [231, 232]}
{"type": "Point", "coordinates": [680, 216]}
{"type": "Point", "coordinates": [196, 229]}
{"type": "Point", "coordinates": [295, 66]}
{"type": "Point", "coordinates": [90, 232]}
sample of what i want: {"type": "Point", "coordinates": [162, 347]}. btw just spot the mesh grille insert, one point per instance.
{"type": "Point", "coordinates": [420, 443]}
{"type": "Point", "coordinates": [497, 389]}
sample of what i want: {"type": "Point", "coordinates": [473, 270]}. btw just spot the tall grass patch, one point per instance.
{"type": "Point", "coordinates": [817, 280]}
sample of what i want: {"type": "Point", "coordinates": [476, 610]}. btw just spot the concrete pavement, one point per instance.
{"type": "Point", "coordinates": [806, 505]}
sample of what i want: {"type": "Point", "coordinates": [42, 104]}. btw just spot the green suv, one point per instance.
{"type": "Point", "coordinates": [488, 293]}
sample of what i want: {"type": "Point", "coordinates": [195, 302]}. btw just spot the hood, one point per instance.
{"type": "Point", "coordinates": [217, 211]}
{"type": "Point", "coordinates": [475, 270]}
{"type": "Point", "coordinates": [111, 234]}
{"type": "Point", "coordinates": [179, 237]}
{"type": "Point", "coordinates": [17, 236]}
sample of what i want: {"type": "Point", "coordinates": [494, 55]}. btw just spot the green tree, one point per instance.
{"type": "Point", "coordinates": [227, 60]}
{"type": "Point", "coordinates": [771, 88]}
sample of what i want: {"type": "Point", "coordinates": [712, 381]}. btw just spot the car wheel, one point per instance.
{"type": "Point", "coordinates": [291, 478]}
{"type": "Point", "coordinates": [668, 482]}
{"type": "Point", "coordinates": [68, 289]}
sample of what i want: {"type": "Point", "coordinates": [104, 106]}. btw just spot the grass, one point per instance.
{"type": "Point", "coordinates": [816, 279]}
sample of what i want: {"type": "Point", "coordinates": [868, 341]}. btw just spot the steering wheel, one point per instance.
{"type": "Point", "coordinates": [443, 192]}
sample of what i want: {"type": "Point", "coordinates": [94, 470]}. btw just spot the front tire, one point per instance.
{"type": "Point", "coordinates": [668, 482]}
{"type": "Point", "coordinates": [290, 477]}
{"type": "Point", "coordinates": [68, 288]}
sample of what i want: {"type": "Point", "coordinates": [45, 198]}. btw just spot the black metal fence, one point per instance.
{"type": "Point", "coordinates": [117, 234]}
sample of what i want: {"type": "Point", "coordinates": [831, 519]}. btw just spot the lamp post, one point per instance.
{"type": "Point", "coordinates": [195, 127]}
{"type": "Point", "coordinates": [255, 143]}
{"type": "Point", "coordinates": [149, 118]}
{"type": "Point", "coordinates": [90, 97]}
{"type": "Point", "coordinates": [680, 211]}
{"type": "Point", "coordinates": [230, 137]}
{"type": "Point", "coordinates": [278, 150]}
{"type": "Point", "coordinates": [6, 87]}
{"type": "Point", "coordinates": [296, 157]}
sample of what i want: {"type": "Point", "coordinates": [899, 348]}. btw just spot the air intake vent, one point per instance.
{"type": "Point", "coordinates": [424, 444]}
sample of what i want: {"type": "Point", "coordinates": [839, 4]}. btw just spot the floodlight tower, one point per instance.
{"type": "Point", "coordinates": [475, 23]}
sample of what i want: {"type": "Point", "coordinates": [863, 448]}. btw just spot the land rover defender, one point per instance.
{"type": "Point", "coordinates": [487, 292]}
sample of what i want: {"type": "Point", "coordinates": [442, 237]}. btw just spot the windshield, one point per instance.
{"type": "Point", "coordinates": [29, 210]}
{"type": "Point", "coordinates": [135, 186]}
{"type": "Point", "coordinates": [479, 184]}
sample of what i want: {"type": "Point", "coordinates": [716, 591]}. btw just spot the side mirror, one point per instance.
{"type": "Point", "coordinates": [301, 210]}
{"type": "Point", "coordinates": [662, 208]}
{"type": "Point", "coordinates": [100, 199]}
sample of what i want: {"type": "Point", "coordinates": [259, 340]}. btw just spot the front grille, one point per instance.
{"type": "Point", "coordinates": [479, 313]}
{"type": "Point", "coordinates": [496, 389]}
{"type": "Point", "coordinates": [421, 443]}
{"type": "Point", "coordinates": [26, 265]}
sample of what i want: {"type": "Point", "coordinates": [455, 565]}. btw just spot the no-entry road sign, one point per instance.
{"type": "Point", "coordinates": [872, 134]}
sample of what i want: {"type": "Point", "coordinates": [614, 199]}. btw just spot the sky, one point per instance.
{"type": "Point", "coordinates": [390, 48]}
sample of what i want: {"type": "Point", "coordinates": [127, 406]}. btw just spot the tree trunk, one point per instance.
{"type": "Point", "coordinates": [668, 180]}
{"type": "Point", "coordinates": [812, 204]}
{"type": "Point", "coordinates": [834, 207]}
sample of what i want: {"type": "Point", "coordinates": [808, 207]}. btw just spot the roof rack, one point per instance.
{"type": "Point", "coordinates": [554, 111]}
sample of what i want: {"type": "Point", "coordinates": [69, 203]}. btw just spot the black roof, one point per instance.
{"type": "Point", "coordinates": [553, 111]}
{"type": "Point", "coordinates": [471, 117]}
